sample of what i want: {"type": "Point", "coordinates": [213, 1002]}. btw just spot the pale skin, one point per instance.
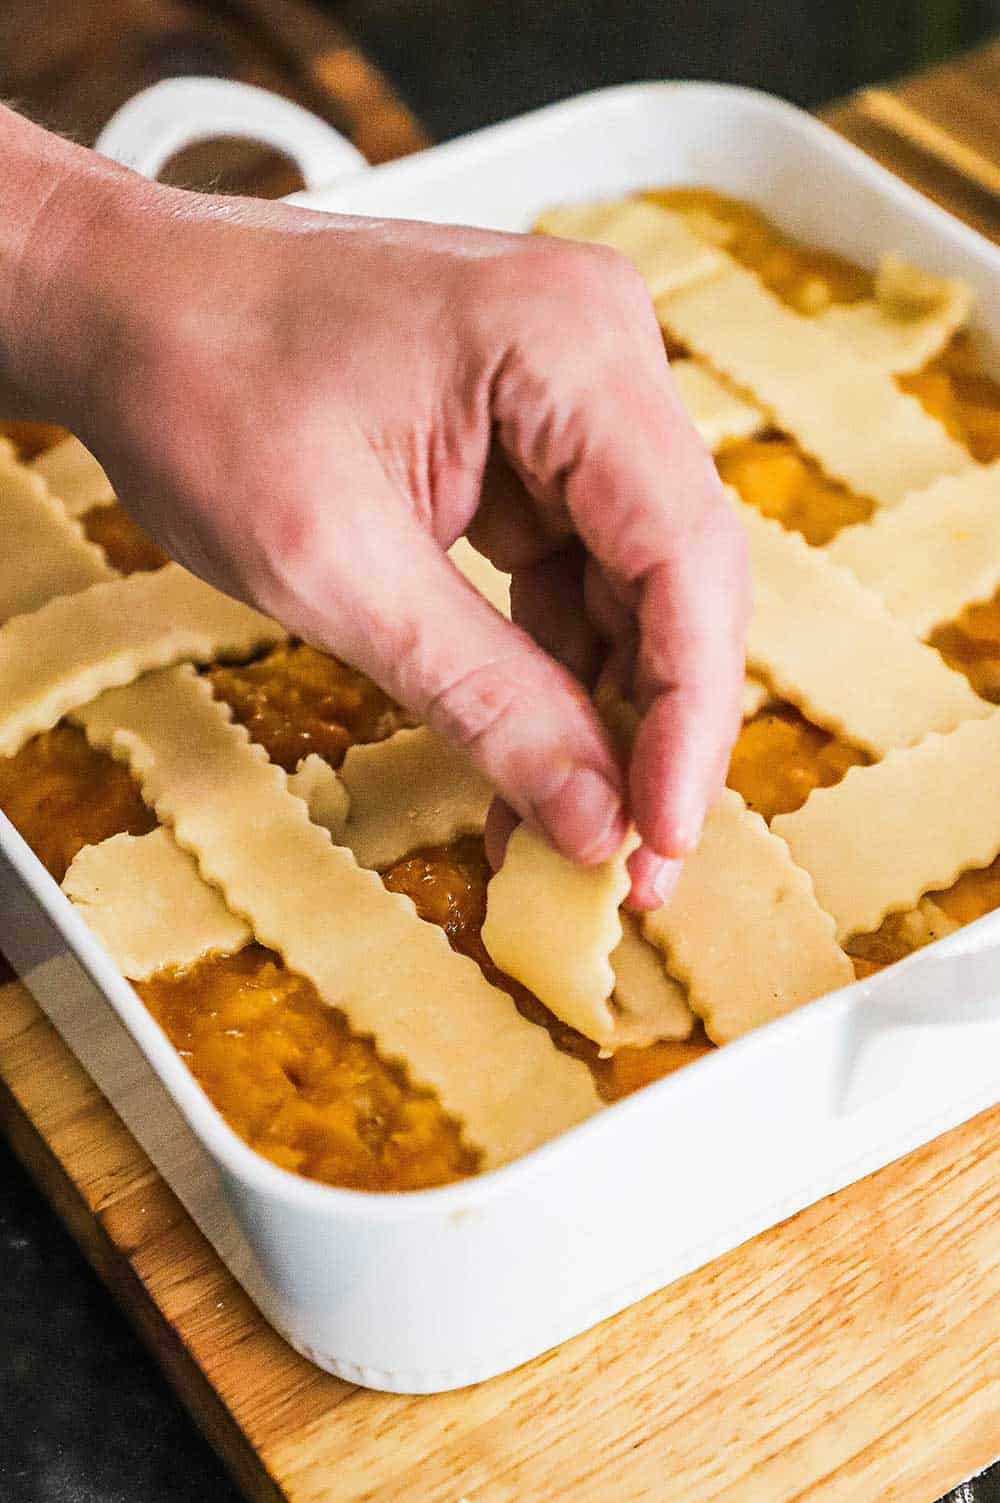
{"type": "Point", "coordinates": [307, 410]}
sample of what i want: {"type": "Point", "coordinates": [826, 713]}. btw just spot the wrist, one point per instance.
{"type": "Point", "coordinates": [63, 206]}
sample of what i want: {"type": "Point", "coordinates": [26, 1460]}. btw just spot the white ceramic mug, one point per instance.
{"type": "Point", "coordinates": [157, 123]}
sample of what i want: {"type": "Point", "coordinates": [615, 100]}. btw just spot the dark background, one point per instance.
{"type": "Point", "coordinates": [84, 1415]}
{"type": "Point", "coordinates": [464, 63]}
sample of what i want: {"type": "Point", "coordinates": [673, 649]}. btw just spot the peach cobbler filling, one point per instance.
{"type": "Point", "coordinates": [287, 1073]}
{"type": "Point", "coordinates": [62, 795]}
{"type": "Point", "coordinates": [295, 701]}
{"type": "Point", "coordinates": [125, 545]}
{"type": "Point", "coordinates": [283, 1068]}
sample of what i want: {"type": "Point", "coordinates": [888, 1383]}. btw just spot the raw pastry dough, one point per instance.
{"type": "Point", "coordinates": [145, 901]}
{"type": "Point", "coordinates": [935, 553]}
{"type": "Point", "coordinates": [743, 928]}
{"type": "Point", "coordinates": [323, 792]}
{"type": "Point", "coordinates": [719, 413]}
{"type": "Point", "coordinates": [903, 290]}
{"type": "Point", "coordinates": [72, 648]}
{"type": "Point", "coordinates": [658, 243]}
{"type": "Point", "coordinates": [364, 948]}
{"type": "Point", "coordinates": [849, 415]}
{"type": "Point", "coordinates": [884, 332]}
{"type": "Point", "coordinates": [648, 1004]}
{"type": "Point", "coordinates": [885, 835]}
{"type": "Point", "coordinates": [74, 475]}
{"type": "Point", "coordinates": [830, 646]}
{"type": "Point", "coordinates": [744, 931]}
{"type": "Point", "coordinates": [410, 790]}
{"type": "Point", "coordinates": [756, 695]}
{"type": "Point", "coordinates": [553, 925]}
{"type": "Point", "coordinates": [44, 553]}
{"type": "Point", "coordinates": [488, 580]}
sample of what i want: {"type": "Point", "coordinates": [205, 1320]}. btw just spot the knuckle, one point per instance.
{"type": "Point", "coordinates": [592, 279]}
{"type": "Point", "coordinates": [288, 539]}
{"type": "Point", "coordinates": [477, 706]}
{"type": "Point", "coordinates": [605, 285]}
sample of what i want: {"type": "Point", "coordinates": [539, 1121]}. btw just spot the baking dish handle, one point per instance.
{"type": "Point", "coordinates": [955, 985]}
{"type": "Point", "coordinates": [157, 123]}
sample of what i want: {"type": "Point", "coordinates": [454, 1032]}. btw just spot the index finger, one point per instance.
{"type": "Point", "coordinates": [596, 430]}
{"type": "Point", "coordinates": [649, 504]}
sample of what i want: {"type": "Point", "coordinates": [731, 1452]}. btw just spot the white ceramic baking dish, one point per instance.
{"type": "Point", "coordinates": [445, 1287]}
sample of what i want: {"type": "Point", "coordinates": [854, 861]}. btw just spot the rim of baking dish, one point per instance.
{"type": "Point", "coordinates": [204, 1119]}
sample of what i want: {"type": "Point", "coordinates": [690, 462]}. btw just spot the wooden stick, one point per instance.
{"type": "Point", "coordinates": [889, 110]}
{"type": "Point", "coordinates": [338, 80]}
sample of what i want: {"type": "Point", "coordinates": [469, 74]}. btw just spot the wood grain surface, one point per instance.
{"type": "Point", "coordinates": [958, 105]}
{"type": "Point", "coordinates": [73, 69]}
{"type": "Point", "coordinates": [851, 1353]}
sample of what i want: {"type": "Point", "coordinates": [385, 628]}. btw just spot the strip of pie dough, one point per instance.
{"type": "Point", "coordinates": [935, 553]}
{"type": "Point", "coordinates": [719, 413]}
{"type": "Point", "coordinates": [315, 782]}
{"type": "Point", "coordinates": [647, 1004]}
{"type": "Point", "coordinates": [363, 947]}
{"type": "Point", "coordinates": [145, 901]}
{"type": "Point", "coordinates": [658, 243]}
{"type": "Point", "coordinates": [892, 339]}
{"type": "Point", "coordinates": [43, 553]}
{"type": "Point", "coordinates": [412, 789]}
{"type": "Point", "coordinates": [487, 578]}
{"type": "Point", "coordinates": [918, 927]}
{"type": "Point", "coordinates": [743, 929]}
{"type": "Point", "coordinates": [553, 925]}
{"type": "Point", "coordinates": [72, 648]}
{"type": "Point", "coordinates": [908, 322]}
{"type": "Point", "coordinates": [756, 695]}
{"type": "Point", "coordinates": [74, 475]}
{"type": "Point", "coordinates": [913, 822]}
{"type": "Point", "coordinates": [829, 645]}
{"type": "Point", "coordinates": [848, 414]}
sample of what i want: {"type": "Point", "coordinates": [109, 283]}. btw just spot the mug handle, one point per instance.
{"type": "Point", "coordinates": [160, 121]}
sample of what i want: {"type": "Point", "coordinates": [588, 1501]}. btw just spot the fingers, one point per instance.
{"type": "Point", "coordinates": [501, 822]}
{"type": "Point", "coordinates": [689, 672]}
{"type": "Point", "coordinates": [480, 680]}
{"type": "Point", "coordinates": [653, 879]}
{"type": "Point", "coordinates": [607, 440]}
{"type": "Point", "coordinates": [689, 681]}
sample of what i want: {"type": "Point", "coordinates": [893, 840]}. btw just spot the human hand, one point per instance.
{"type": "Point", "coordinates": [308, 410]}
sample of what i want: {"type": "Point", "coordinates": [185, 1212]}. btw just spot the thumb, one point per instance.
{"type": "Point", "coordinates": [481, 681]}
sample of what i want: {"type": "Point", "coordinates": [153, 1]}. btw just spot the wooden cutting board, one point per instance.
{"type": "Point", "coordinates": [851, 1353]}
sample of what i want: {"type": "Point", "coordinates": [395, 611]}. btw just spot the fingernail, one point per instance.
{"type": "Point", "coordinates": [687, 831]}
{"type": "Point", "coordinates": [585, 817]}
{"type": "Point", "coordinates": [666, 880]}
{"type": "Point", "coordinates": [653, 880]}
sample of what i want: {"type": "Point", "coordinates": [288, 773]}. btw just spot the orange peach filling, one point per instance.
{"type": "Point", "coordinates": [62, 795]}
{"type": "Point", "coordinates": [296, 700]}
{"type": "Point", "coordinates": [772, 474]}
{"type": "Point", "coordinates": [128, 548]}
{"type": "Point", "coordinates": [779, 758]}
{"type": "Point", "coordinates": [972, 645]}
{"type": "Point", "coordinates": [289, 1076]}
{"type": "Point", "coordinates": [808, 280]}
{"type": "Point", "coordinates": [954, 389]}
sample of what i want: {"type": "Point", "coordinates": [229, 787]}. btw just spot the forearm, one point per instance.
{"type": "Point", "coordinates": [56, 201]}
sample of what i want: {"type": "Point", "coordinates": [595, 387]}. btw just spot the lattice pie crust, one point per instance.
{"type": "Point", "coordinates": [759, 917]}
